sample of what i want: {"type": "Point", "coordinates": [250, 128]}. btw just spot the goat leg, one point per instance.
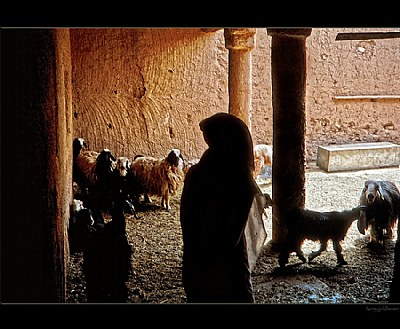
{"type": "Point", "coordinates": [165, 202]}
{"type": "Point", "coordinates": [389, 234]}
{"type": "Point", "coordinates": [283, 258]}
{"type": "Point", "coordinates": [300, 254]}
{"type": "Point", "coordinates": [374, 240]}
{"type": "Point", "coordinates": [130, 208]}
{"type": "Point", "coordinates": [339, 256]}
{"type": "Point", "coordinates": [147, 198]}
{"type": "Point", "coordinates": [323, 246]}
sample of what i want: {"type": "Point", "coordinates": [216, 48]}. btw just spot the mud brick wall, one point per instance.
{"type": "Point", "coordinates": [359, 67]}
{"type": "Point", "coordinates": [145, 90]}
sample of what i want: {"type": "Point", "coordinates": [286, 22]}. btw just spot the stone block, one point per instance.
{"type": "Point", "coordinates": [358, 156]}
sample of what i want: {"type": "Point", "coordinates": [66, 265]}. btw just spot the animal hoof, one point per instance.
{"type": "Point", "coordinates": [282, 263]}
{"type": "Point", "coordinates": [375, 245]}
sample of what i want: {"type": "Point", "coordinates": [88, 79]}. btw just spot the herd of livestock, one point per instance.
{"type": "Point", "coordinates": [104, 183]}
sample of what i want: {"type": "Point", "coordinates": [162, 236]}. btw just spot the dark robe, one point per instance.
{"type": "Point", "coordinates": [216, 199]}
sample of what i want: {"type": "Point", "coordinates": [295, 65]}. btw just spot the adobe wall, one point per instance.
{"type": "Point", "coordinates": [337, 68]}
{"type": "Point", "coordinates": [145, 90]}
{"type": "Point", "coordinates": [364, 67]}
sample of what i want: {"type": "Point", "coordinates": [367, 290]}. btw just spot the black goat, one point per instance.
{"type": "Point", "coordinates": [382, 201]}
{"type": "Point", "coordinates": [99, 177]}
{"type": "Point", "coordinates": [317, 226]}
{"type": "Point", "coordinates": [105, 185]}
{"type": "Point", "coordinates": [94, 173]}
{"type": "Point", "coordinates": [82, 224]}
{"type": "Point", "coordinates": [268, 200]}
{"type": "Point", "coordinates": [99, 191]}
{"type": "Point", "coordinates": [123, 185]}
{"type": "Point", "coordinates": [106, 254]}
{"type": "Point", "coordinates": [394, 295]}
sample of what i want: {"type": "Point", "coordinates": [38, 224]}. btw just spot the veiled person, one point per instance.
{"type": "Point", "coordinates": [218, 195]}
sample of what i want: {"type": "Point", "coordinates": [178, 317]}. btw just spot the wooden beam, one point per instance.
{"type": "Point", "coordinates": [356, 97]}
{"type": "Point", "coordinates": [367, 35]}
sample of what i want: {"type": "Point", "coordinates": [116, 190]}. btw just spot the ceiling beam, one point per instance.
{"type": "Point", "coordinates": [367, 35]}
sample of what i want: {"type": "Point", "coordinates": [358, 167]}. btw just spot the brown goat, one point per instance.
{"type": "Point", "coordinates": [160, 177]}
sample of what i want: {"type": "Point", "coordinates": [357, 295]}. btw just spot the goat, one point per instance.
{"type": "Point", "coordinates": [154, 176]}
{"type": "Point", "coordinates": [382, 201]}
{"type": "Point", "coordinates": [317, 226]}
{"type": "Point", "coordinates": [79, 146]}
{"type": "Point", "coordinates": [104, 187]}
{"type": "Point", "coordinates": [94, 173]}
{"type": "Point", "coordinates": [262, 158]}
{"type": "Point", "coordinates": [75, 207]}
{"type": "Point", "coordinates": [107, 261]}
{"type": "Point", "coordinates": [89, 166]}
{"type": "Point", "coordinates": [394, 295]}
{"type": "Point", "coordinates": [187, 164]}
{"type": "Point", "coordinates": [268, 203]}
{"type": "Point", "coordinates": [80, 222]}
{"type": "Point", "coordinates": [122, 167]}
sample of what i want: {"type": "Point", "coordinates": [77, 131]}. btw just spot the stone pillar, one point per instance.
{"type": "Point", "coordinates": [288, 61]}
{"type": "Point", "coordinates": [240, 42]}
{"type": "Point", "coordinates": [38, 110]}
{"type": "Point", "coordinates": [63, 136]}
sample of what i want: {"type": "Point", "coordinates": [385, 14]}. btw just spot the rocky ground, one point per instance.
{"type": "Point", "coordinates": [157, 256]}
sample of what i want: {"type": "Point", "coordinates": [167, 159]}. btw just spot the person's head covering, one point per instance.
{"type": "Point", "coordinates": [228, 136]}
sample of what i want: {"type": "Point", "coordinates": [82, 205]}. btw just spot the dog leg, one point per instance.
{"type": "Point", "coordinates": [339, 256]}
{"type": "Point", "coordinates": [322, 248]}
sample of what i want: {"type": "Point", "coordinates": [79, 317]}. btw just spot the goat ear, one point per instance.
{"type": "Point", "coordinates": [362, 222]}
{"type": "Point", "coordinates": [364, 190]}
{"type": "Point", "coordinates": [380, 195]}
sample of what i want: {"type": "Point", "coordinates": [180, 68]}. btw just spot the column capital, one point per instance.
{"type": "Point", "coordinates": [292, 33]}
{"type": "Point", "coordinates": [210, 29]}
{"type": "Point", "coordinates": [239, 39]}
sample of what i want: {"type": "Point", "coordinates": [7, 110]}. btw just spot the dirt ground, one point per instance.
{"type": "Point", "coordinates": [157, 255]}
